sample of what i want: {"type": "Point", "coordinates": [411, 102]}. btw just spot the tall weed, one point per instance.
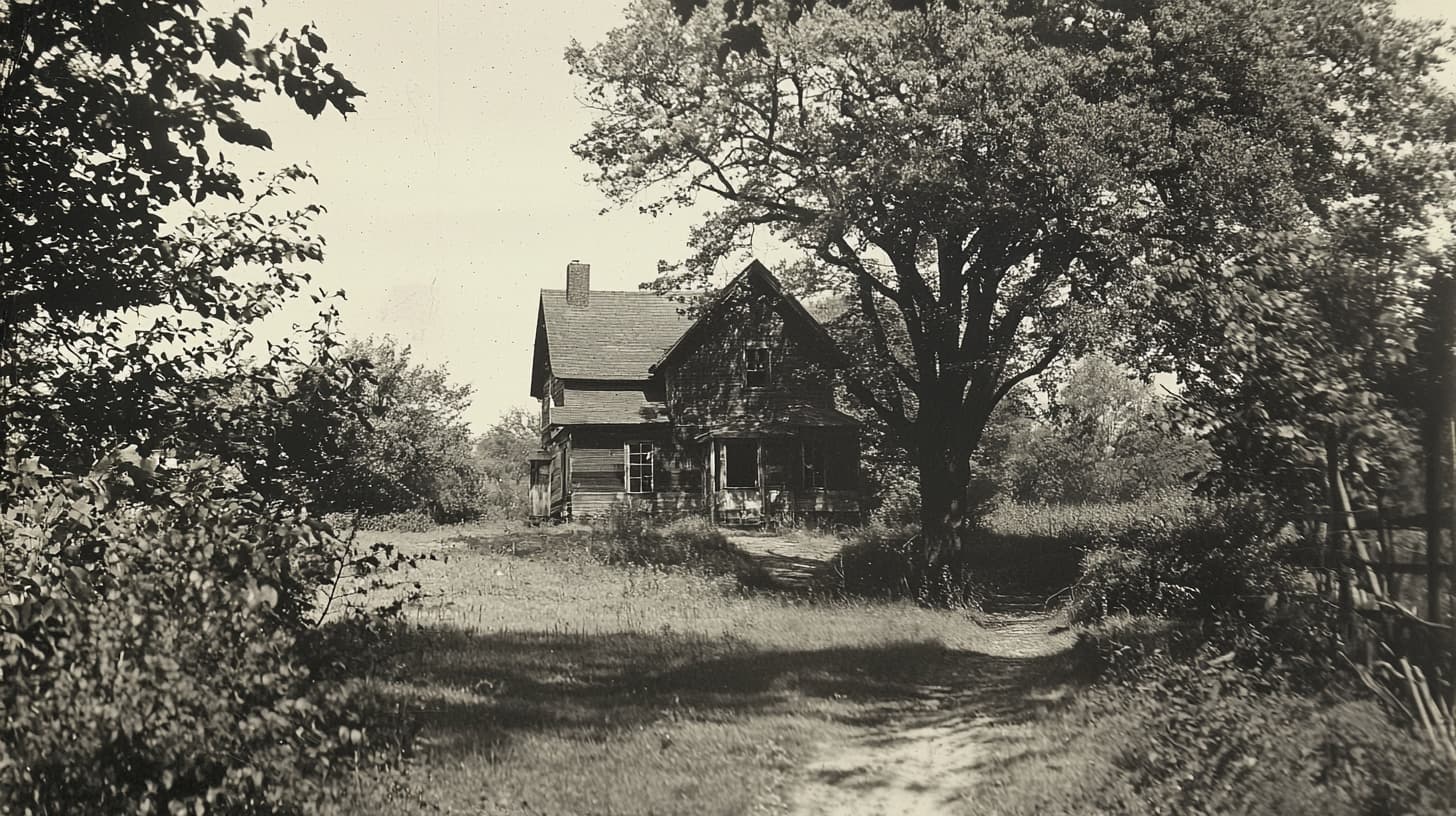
{"type": "Point", "coordinates": [627, 534]}
{"type": "Point", "coordinates": [1216, 738]}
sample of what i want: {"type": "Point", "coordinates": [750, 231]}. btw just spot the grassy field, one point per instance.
{"type": "Point", "coordinates": [549, 683]}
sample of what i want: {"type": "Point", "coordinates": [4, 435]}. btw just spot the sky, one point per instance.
{"type": "Point", "coordinates": [452, 194]}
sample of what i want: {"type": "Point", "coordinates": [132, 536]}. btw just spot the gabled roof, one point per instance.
{"type": "Point", "coordinates": [789, 307]}
{"type": "Point", "coordinates": [617, 336]}
{"type": "Point", "coordinates": [626, 336]}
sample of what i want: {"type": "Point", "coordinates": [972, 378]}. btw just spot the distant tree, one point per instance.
{"type": "Point", "coordinates": [409, 448]}
{"type": "Point", "coordinates": [502, 452]}
{"type": "Point", "coordinates": [1106, 437]}
{"type": "Point", "coordinates": [988, 178]}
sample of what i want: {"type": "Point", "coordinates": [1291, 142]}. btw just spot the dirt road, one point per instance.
{"type": "Point", "coordinates": [923, 755]}
{"type": "Point", "coordinates": [927, 756]}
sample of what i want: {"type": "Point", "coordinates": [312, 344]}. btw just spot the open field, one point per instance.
{"type": "Point", "coordinates": [549, 683]}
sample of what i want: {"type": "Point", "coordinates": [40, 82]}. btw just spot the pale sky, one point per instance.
{"type": "Point", "coordinates": [453, 195]}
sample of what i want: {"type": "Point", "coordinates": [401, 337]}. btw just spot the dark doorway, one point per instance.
{"type": "Point", "coordinates": [741, 467]}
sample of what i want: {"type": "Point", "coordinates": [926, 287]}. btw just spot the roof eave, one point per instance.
{"type": "Point", "coordinates": [541, 353]}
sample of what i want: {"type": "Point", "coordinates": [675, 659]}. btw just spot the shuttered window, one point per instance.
{"type": "Point", "coordinates": [639, 467]}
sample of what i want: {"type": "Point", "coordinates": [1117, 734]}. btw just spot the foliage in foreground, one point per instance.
{"type": "Point", "coordinates": [1210, 736]}
{"type": "Point", "coordinates": [1229, 675]}
{"type": "Point", "coordinates": [149, 653]}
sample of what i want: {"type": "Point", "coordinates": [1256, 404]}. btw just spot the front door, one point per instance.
{"type": "Point", "coordinates": [739, 481]}
{"type": "Point", "coordinates": [539, 492]}
{"type": "Point", "coordinates": [780, 459]}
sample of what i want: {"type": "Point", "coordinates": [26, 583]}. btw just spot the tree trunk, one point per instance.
{"type": "Point", "coordinates": [943, 480]}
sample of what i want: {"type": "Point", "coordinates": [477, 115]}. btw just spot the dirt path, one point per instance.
{"type": "Point", "coordinates": [926, 756]}
{"type": "Point", "coordinates": [790, 564]}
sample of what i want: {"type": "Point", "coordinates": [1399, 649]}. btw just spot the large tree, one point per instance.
{"type": "Point", "coordinates": [988, 179]}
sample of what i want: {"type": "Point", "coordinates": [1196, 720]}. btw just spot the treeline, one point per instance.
{"type": "Point", "coordinates": [1093, 433]}
{"type": "Point", "coordinates": [404, 450]}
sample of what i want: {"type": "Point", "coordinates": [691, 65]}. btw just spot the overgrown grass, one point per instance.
{"type": "Point", "coordinates": [626, 535]}
{"type": "Point", "coordinates": [549, 682]}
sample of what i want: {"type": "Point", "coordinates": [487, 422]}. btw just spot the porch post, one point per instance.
{"type": "Point", "coordinates": [762, 488]}
{"type": "Point", "coordinates": [711, 482]}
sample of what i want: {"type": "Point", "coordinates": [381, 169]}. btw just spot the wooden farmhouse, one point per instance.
{"type": "Point", "coordinates": [730, 415]}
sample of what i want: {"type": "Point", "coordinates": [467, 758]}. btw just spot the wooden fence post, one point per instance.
{"type": "Point", "coordinates": [1338, 551]}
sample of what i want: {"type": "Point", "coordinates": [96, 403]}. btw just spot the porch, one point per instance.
{"type": "Point", "coordinates": [757, 478]}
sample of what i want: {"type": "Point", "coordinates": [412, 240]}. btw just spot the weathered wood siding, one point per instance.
{"type": "Point", "coordinates": [709, 382]}
{"type": "Point", "coordinates": [553, 390]}
{"type": "Point", "coordinates": [598, 471]}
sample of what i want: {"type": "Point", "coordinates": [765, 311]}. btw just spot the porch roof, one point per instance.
{"type": "Point", "coordinates": [781, 420]}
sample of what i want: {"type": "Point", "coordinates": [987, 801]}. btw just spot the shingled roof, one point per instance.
{"type": "Point", "coordinates": [616, 336]}
{"type": "Point", "coordinates": [607, 406]}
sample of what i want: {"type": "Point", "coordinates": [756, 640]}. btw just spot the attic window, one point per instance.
{"type": "Point", "coordinates": [757, 366]}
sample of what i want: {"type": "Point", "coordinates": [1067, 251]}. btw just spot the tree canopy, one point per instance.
{"type": "Point", "coordinates": [106, 111]}
{"type": "Point", "coordinates": [993, 181]}
{"type": "Point", "coordinates": [123, 305]}
{"type": "Point", "coordinates": [406, 449]}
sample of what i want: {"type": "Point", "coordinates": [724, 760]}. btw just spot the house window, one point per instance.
{"type": "Point", "coordinates": [741, 467]}
{"type": "Point", "coordinates": [815, 472]}
{"type": "Point", "coordinates": [639, 467]}
{"type": "Point", "coordinates": [757, 365]}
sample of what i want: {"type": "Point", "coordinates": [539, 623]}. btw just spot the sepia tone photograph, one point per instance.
{"type": "Point", "coordinates": [777, 407]}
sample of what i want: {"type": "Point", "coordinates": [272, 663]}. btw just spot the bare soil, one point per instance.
{"type": "Point", "coordinates": [928, 755]}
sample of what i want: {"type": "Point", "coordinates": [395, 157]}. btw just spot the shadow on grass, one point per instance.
{"type": "Point", "coordinates": [477, 691]}
{"type": "Point", "coordinates": [1030, 564]}
{"type": "Point", "coordinates": [1025, 566]}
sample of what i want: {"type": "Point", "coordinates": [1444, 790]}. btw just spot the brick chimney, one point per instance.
{"type": "Point", "coordinates": [578, 284]}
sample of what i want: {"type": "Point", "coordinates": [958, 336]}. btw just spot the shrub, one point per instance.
{"type": "Point", "coordinates": [1205, 558]}
{"type": "Point", "coordinates": [149, 660]}
{"type": "Point", "coordinates": [1220, 739]}
{"type": "Point", "coordinates": [628, 535]}
{"type": "Point", "coordinates": [1127, 647]}
{"type": "Point", "coordinates": [880, 561]}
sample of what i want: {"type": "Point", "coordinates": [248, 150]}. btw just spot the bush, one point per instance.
{"type": "Point", "coordinates": [628, 535]}
{"type": "Point", "coordinates": [1220, 739]}
{"type": "Point", "coordinates": [1127, 647]}
{"type": "Point", "coordinates": [149, 660]}
{"type": "Point", "coordinates": [1206, 558]}
{"type": "Point", "coordinates": [880, 562]}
